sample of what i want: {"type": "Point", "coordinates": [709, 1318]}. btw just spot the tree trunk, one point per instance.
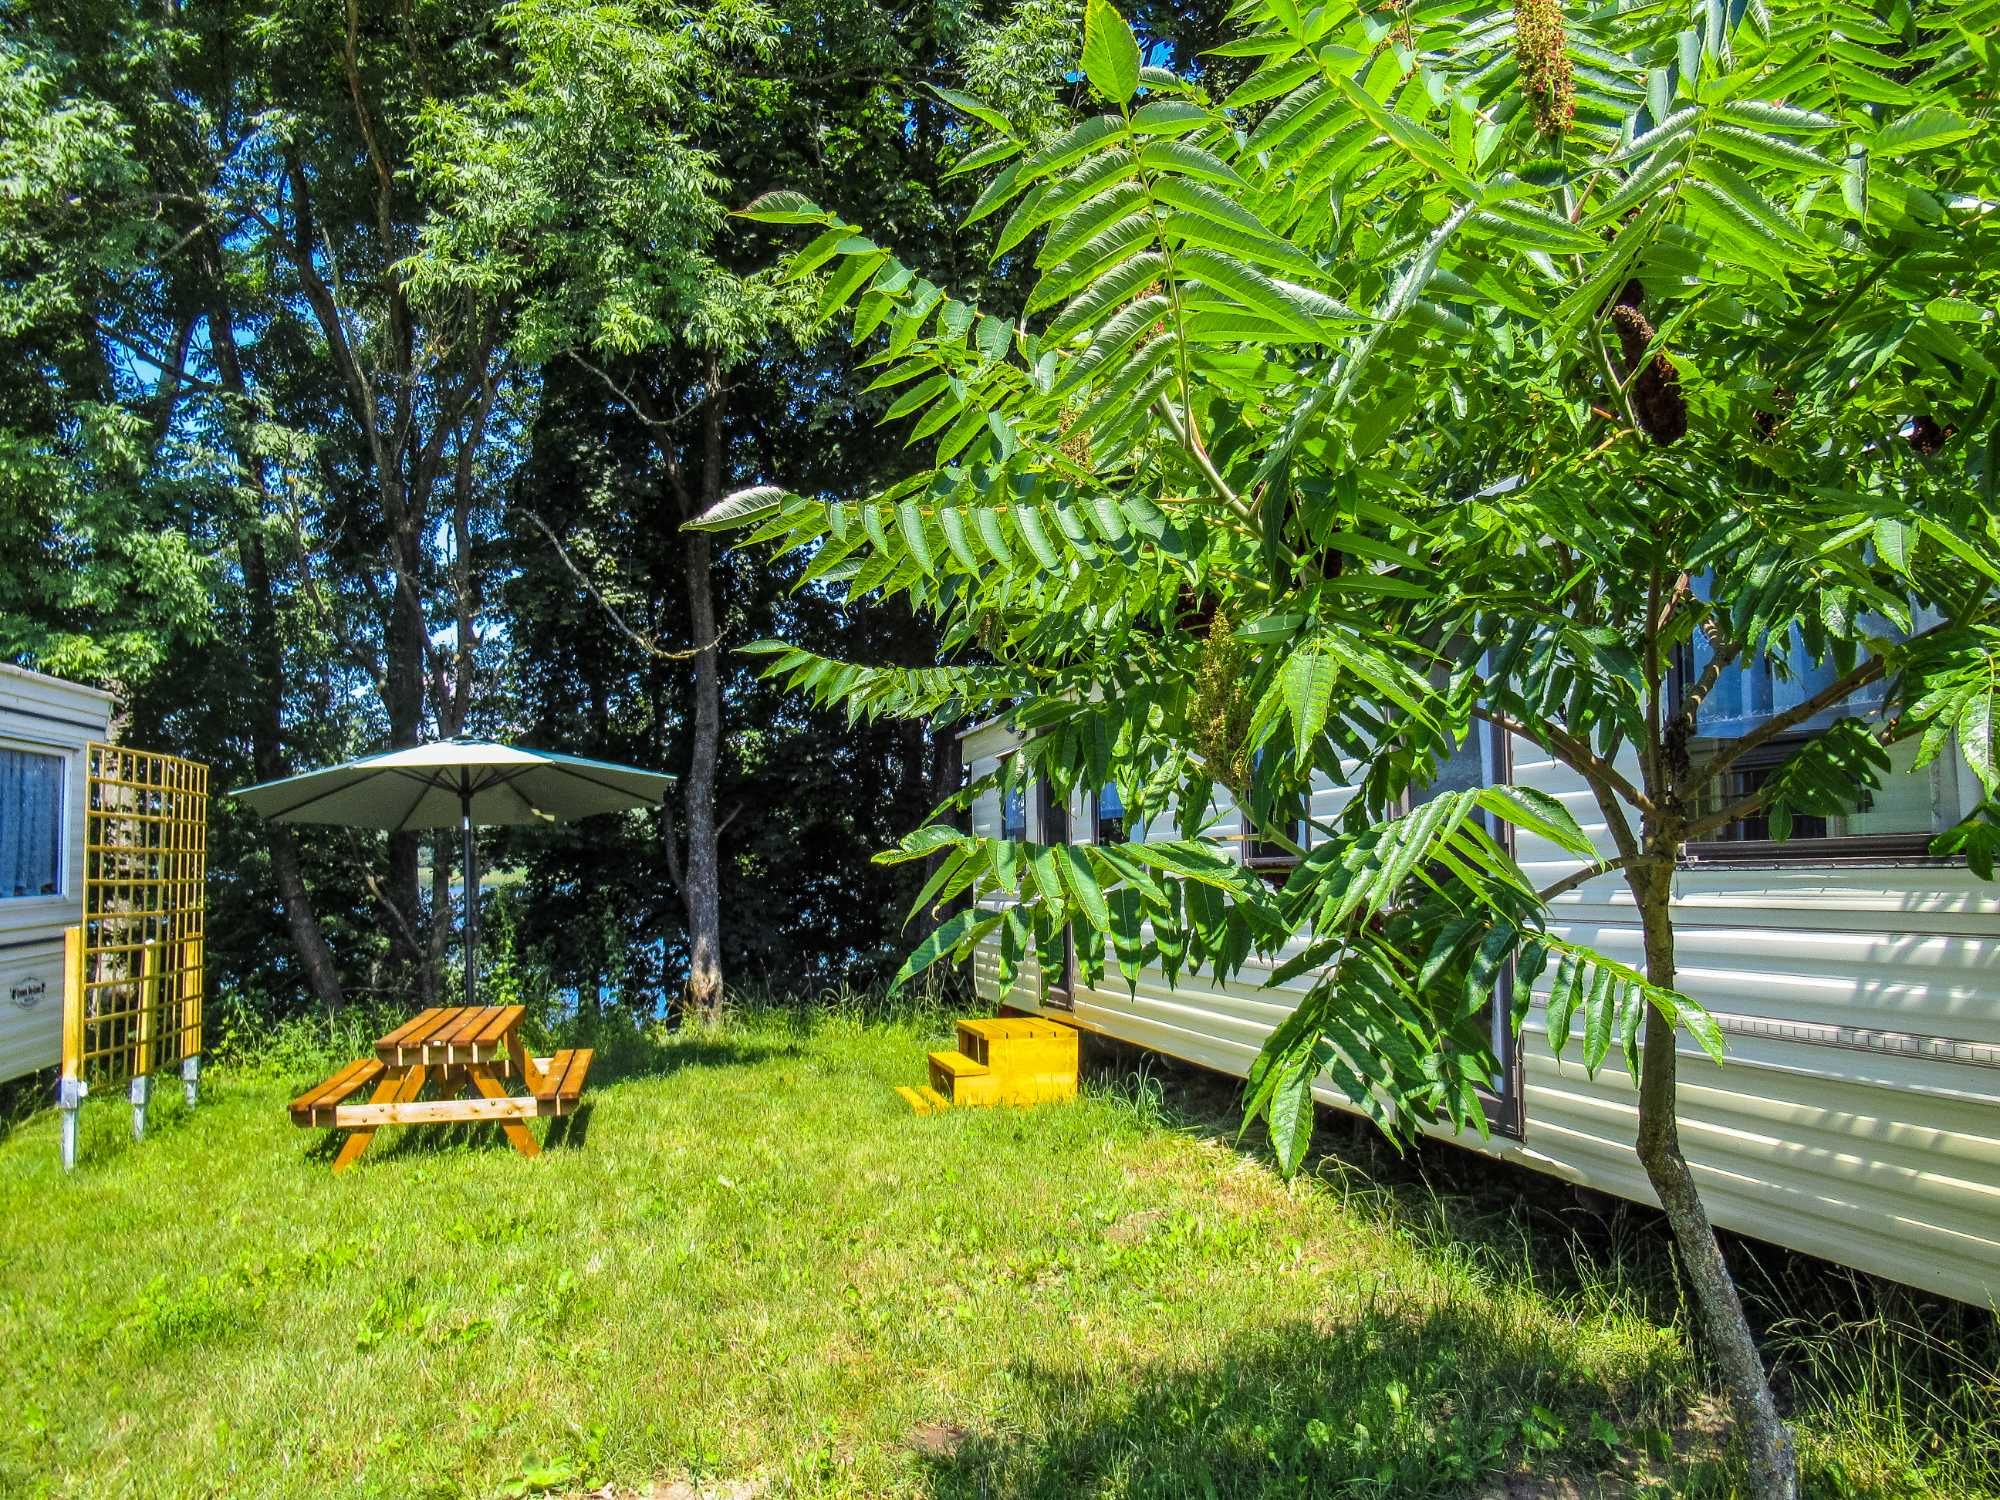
{"type": "Point", "coordinates": [701, 875]}
{"type": "Point", "coordinates": [1766, 1442]}
{"type": "Point", "coordinates": [267, 650]}
{"type": "Point", "coordinates": [266, 730]}
{"type": "Point", "coordinates": [403, 699]}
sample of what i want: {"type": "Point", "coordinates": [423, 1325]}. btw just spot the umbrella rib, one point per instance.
{"type": "Point", "coordinates": [612, 786]}
{"type": "Point", "coordinates": [332, 791]}
{"type": "Point", "coordinates": [424, 784]}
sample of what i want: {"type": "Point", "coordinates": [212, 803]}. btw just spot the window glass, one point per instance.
{"type": "Point", "coordinates": [1014, 815]}
{"type": "Point", "coordinates": [1907, 805]}
{"type": "Point", "coordinates": [1269, 851]}
{"type": "Point", "coordinates": [1471, 766]}
{"type": "Point", "coordinates": [1111, 824]}
{"type": "Point", "coordinates": [1748, 693]}
{"type": "Point", "coordinates": [31, 797]}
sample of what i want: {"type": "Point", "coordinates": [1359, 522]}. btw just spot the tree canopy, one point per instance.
{"type": "Point", "coordinates": [1458, 365]}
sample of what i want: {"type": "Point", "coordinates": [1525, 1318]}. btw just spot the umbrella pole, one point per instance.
{"type": "Point", "coordinates": [471, 897]}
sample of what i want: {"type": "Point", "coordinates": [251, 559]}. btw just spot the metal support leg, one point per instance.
{"type": "Point", "coordinates": [191, 1078]}
{"type": "Point", "coordinates": [142, 1094]}
{"type": "Point", "coordinates": [69, 1097]}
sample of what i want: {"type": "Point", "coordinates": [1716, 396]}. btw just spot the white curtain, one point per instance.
{"type": "Point", "coordinates": [31, 792]}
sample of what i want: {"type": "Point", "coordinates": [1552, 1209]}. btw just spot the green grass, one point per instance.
{"type": "Point", "coordinates": [751, 1263]}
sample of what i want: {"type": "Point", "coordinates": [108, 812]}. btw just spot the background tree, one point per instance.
{"type": "Point", "coordinates": [589, 188]}
{"type": "Point", "coordinates": [1510, 367]}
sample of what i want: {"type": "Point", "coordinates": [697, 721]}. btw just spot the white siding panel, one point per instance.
{"type": "Point", "coordinates": [1857, 1116]}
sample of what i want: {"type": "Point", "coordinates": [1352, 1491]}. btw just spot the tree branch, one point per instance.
{"type": "Point", "coordinates": [637, 637]}
{"type": "Point", "coordinates": [1572, 752]}
{"type": "Point", "coordinates": [1579, 877]}
{"type": "Point", "coordinates": [1184, 436]}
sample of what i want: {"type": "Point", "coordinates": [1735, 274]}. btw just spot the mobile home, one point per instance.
{"type": "Point", "coordinates": [1857, 982]}
{"type": "Point", "coordinates": [45, 723]}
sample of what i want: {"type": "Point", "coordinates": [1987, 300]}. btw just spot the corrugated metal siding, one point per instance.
{"type": "Point", "coordinates": [1838, 1126]}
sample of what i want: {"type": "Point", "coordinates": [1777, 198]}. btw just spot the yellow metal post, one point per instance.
{"type": "Point", "coordinates": [142, 1059]}
{"type": "Point", "coordinates": [69, 1086]}
{"type": "Point", "coordinates": [190, 1017]}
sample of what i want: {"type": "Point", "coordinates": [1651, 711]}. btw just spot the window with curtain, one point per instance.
{"type": "Point", "coordinates": [31, 824]}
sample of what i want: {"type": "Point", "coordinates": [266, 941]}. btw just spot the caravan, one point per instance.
{"type": "Point", "coordinates": [45, 725]}
{"type": "Point", "coordinates": [1856, 979]}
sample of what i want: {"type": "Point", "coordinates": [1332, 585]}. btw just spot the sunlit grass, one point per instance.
{"type": "Point", "coordinates": [752, 1263]}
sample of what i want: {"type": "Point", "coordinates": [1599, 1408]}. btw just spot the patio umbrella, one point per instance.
{"type": "Point", "coordinates": [462, 781]}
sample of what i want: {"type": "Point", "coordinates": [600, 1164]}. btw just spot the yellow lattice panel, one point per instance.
{"type": "Point", "coordinates": [145, 863]}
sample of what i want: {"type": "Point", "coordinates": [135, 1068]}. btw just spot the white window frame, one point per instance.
{"type": "Point", "coordinates": [67, 756]}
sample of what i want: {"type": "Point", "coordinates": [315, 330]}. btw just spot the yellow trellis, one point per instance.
{"type": "Point", "coordinates": [133, 993]}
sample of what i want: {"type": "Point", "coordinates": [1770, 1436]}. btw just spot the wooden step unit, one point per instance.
{"type": "Point", "coordinates": [1001, 1060]}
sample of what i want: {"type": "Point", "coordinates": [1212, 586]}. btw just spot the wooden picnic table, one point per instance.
{"type": "Point", "coordinates": [466, 1053]}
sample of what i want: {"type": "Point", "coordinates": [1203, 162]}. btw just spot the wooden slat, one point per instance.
{"type": "Point", "coordinates": [500, 1020]}
{"type": "Point", "coordinates": [351, 1079]}
{"type": "Point", "coordinates": [447, 1019]}
{"type": "Point", "coordinates": [506, 1107]}
{"type": "Point", "coordinates": [395, 1088]}
{"type": "Point", "coordinates": [551, 1071]}
{"type": "Point", "coordinates": [395, 1037]}
{"type": "Point", "coordinates": [526, 1066]}
{"type": "Point", "coordinates": [563, 1077]}
{"type": "Point", "coordinates": [571, 1087]}
{"type": "Point", "coordinates": [471, 1021]}
{"type": "Point", "coordinates": [325, 1086]}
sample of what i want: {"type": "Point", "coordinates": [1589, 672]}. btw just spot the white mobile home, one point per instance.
{"type": "Point", "coordinates": [45, 723]}
{"type": "Point", "coordinates": [1857, 982]}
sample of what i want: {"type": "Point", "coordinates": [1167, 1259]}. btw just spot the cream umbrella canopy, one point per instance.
{"type": "Point", "coordinates": [463, 781]}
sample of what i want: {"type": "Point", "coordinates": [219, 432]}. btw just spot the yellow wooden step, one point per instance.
{"type": "Point", "coordinates": [924, 1100]}
{"type": "Point", "coordinates": [955, 1065]}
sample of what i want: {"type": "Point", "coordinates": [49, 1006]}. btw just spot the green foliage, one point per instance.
{"type": "Point", "coordinates": [1369, 1328]}
{"type": "Point", "coordinates": [1462, 395]}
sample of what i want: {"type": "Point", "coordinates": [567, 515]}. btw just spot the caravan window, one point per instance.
{"type": "Point", "coordinates": [1014, 815]}
{"type": "Point", "coordinates": [31, 820]}
{"type": "Point", "coordinates": [1897, 820]}
{"type": "Point", "coordinates": [1110, 824]}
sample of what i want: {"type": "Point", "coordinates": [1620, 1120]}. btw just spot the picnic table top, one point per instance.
{"type": "Point", "coordinates": [453, 1034]}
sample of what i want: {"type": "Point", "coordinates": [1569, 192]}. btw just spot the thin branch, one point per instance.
{"type": "Point", "coordinates": [1194, 450]}
{"type": "Point", "coordinates": [1579, 877]}
{"type": "Point", "coordinates": [1572, 752]}
{"type": "Point", "coordinates": [637, 637]}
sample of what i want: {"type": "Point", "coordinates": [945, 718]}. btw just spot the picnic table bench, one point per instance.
{"type": "Point", "coordinates": [464, 1052]}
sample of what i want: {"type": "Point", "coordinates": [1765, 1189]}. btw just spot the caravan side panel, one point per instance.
{"type": "Point", "coordinates": [1858, 1114]}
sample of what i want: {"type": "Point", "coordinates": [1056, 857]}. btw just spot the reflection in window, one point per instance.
{"type": "Point", "coordinates": [1901, 814]}
{"type": "Point", "coordinates": [1110, 825]}
{"type": "Point", "coordinates": [1473, 764]}
{"type": "Point", "coordinates": [1897, 818]}
{"type": "Point", "coordinates": [1291, 817]}
{"type": "Point", "coordinates": [1014, 814]}
{"type": "Point", "coordinates": [31, 792]}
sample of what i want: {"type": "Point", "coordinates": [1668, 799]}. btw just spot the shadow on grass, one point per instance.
{"type": "Point", "coordinates": [1383, 1400]}
{"type": "Point", "coordinates": [1906, 1375]}
{"type": "Point", "coordinates": [634, 1056]}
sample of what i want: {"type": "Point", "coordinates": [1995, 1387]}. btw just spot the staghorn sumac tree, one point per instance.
{"type": "Point", "coordinates": [1462, 365]}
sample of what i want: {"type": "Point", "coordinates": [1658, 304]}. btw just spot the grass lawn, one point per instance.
{"type": "Point", "coordinates": [753, 1267]}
